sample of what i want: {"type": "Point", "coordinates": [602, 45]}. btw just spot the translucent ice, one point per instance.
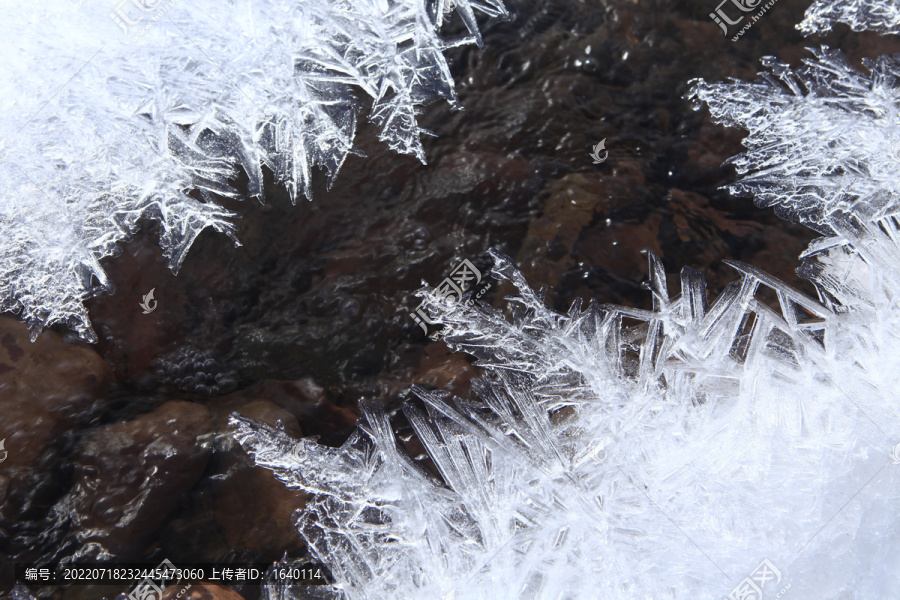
{"type": "Point", "coordinates": [668, 453]}
{"type": "Point", "coordinates": [823, 147]}
{"type": "Point", "coordinates": [615, 452]}
{"type": "Point", "coordinates": [882, 16]}
{"type": "Point", "coordinates": [143, 108]}
{"type": "Point", "coordinates": [823, 141]}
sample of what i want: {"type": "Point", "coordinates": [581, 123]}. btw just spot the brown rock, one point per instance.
{"type": "Point", "coordinates": [48, 389]}
{"type": "Point", "coordinates": [129, 339]}
{"type": "Point", "coordinates": [236, 487]}
{"type": "Point", "coordinates": [582, 221]}
{"type": "Point", "coordinates": [444, 369]}
{"type": "Point", "coordinates": [129, 477]}
{"type": "Point", "coordinates": [571, 204]}
{"type": "Point", "coordinates": [239, 508]}
{"type": "Point", "coordinates": [304, 399]}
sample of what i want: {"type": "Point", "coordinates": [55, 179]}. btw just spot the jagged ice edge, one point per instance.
{"type": "Point", "coordinates": [103, 127]}
{"type": "Point", "coordinates": [589, 429]}
{"type": "Point", "coordinates": [882, 16]}
{"type": "Point", "coordinates": [574, 403]}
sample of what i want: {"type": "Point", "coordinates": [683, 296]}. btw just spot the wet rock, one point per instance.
{"type": "Point", "coordinates": [209, 528]}
{"type": "Point", "coordinates": [130, 477]}
{"type": "Point", "coordinates": [580, 203]}
{"type": "Point", "coordinates": [189, 369]}
{"type": "Point", "coordinates": [239, 508]}
{"type": "Point", "coordinates": [312, 412]}
{"type": "Point", "coordinates": [129, 339]}
{"type": "Point", "coordinates": [440, 368]}
{"type": "Point", "coordinates": [48, 391]}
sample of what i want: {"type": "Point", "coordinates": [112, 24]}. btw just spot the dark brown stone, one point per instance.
{"type": "Point", "coordinates": [48, 391]}
{"type": "Point", "coordinates": [129, 477]}
{"type": "Point", "coordinates": [240, 509]}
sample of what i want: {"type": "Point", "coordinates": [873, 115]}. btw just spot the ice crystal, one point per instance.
{"type": "Point", "coordinates": [113, 112]}
{"type": "Point", "coordinates": [614, 452]}
{"type": "Point", "coordinates": [823, 140]}
{"type": "Point", "coordinates": [882, 16]}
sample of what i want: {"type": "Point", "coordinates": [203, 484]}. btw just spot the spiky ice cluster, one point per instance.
{"type": "Point", "coordinates": [664, 453]}
{"type": "Point", "coordinates": [823, 140]}
{"type": "Point", "coordinates": [882, 16]}
{"type": "Point", "coordinates": [117, 111]}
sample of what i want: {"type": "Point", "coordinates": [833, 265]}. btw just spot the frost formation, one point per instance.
{"type": "Point", "coordinates": [882, 16]}
{"type": "Point", "coordinates": [823, 140]}
{"type": "Point", "coordinates": [666, 453]}
{"type": "Point", "coordinates": [117, 111]}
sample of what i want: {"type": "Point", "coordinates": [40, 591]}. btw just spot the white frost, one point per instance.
{"type": "Point", "coordinates": [882, 16]}
{"type": "Point", "coordinates": [118, 110]}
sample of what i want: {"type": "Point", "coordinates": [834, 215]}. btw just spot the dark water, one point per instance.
{"type": "Point", "coordinates": [121, 450]}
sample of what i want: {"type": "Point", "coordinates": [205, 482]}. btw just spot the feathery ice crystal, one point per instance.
{"type": "Point", "coordinates": [882, 16]}
{"type": "Point", "coordinates": [624, 453]}
{"type": "Point", "coordinates": [114, 111]}
{"type": "Point", "coordinates": [823, 142]}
